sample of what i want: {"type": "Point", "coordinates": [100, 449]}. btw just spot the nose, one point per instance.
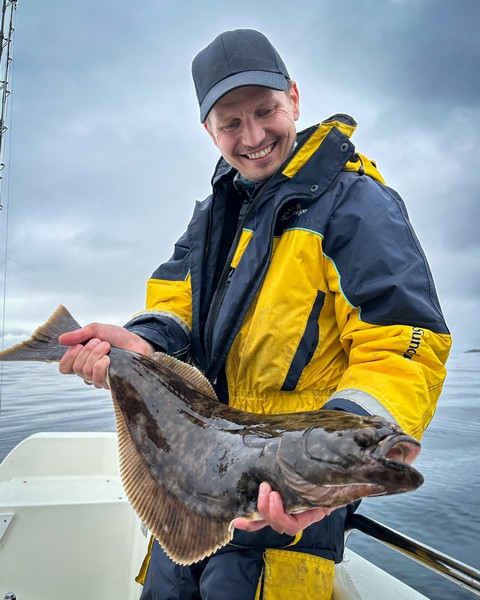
{"type": "Point", "coordinates": [253, 134]}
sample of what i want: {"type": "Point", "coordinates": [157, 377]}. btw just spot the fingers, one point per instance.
{"type": "Point", "coordinates": [100, 370]}
{"type": "Point", "coordinates": [270, 508]}
{"type": "Point", "coordinates": [245, 525]}
{"type": "Point", "coordinates": [87, 356]}
{"type": "Point", "coordinates": [78, 336]}
{"type": "Point", "coordinates": [279, 520]}
{"type": "Point", "coordinates": [117, 336]}
{"type": "Point", "coordinates": [90, 362]}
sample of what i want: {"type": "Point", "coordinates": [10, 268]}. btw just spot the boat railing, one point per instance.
{"type": "Point", "coordinates": [458, 572]}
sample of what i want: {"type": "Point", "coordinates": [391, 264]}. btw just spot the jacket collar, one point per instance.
{"type": "Point", "coordinates": [308, 142]}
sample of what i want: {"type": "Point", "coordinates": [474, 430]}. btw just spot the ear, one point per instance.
{"type": "Point", "coordinates": [295, 97]}
{"type": "Point", "coordinates": [210, 133]}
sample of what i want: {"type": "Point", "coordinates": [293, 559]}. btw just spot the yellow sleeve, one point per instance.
{"type": "Point", "coordinates": [399, 366]}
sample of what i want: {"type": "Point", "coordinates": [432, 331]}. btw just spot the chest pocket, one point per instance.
{"type": "Point", "coordinates": [306, 346]}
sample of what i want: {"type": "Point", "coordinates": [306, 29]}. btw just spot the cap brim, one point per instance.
{"type": "Point", "coordinates": [274, 81]}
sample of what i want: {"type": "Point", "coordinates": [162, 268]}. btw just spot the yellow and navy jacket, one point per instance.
{"type": "Point", "coordinates": [326, 298]}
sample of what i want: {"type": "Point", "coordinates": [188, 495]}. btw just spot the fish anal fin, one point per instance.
{"type": "Point", "coordinates": [185, 535]}
{"type": "Point", "coordinates": [185, 371]}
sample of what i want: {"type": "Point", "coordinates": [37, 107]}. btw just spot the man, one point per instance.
{"type": "Point", "coordinates": [298, 285]}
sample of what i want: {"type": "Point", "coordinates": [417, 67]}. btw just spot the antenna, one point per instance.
{"type": "Point", "coordinates": [6, 37]}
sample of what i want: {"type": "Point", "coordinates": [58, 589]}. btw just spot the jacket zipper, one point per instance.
{"type": "Point", "coordinates": [228, 270]}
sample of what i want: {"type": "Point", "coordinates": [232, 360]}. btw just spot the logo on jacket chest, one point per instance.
{"type": "Point", "coordinates": [294, 210]}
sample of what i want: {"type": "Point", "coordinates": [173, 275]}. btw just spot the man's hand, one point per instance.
{"type": "Point", "coordinates": [90, 361]}
{"type": "Point", "coordinates": [270, 508]}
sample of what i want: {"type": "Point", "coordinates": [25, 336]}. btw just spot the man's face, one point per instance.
{"type": "Point", "coordinates": [254, 129]}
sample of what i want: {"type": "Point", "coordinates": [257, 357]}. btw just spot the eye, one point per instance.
{"type": "Point", "coordinates": [231, 125]}
{"type": "Point", "coordinates": [366, 437]}
{"type": "Point", "coordinates": [267, 112]}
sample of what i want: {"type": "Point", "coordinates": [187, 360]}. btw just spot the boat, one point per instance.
{"type": "Point", "coordinates": [67, 530]}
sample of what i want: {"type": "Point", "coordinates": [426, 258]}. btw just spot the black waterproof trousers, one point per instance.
{"type": "Point", "coordinates": [234, 572]}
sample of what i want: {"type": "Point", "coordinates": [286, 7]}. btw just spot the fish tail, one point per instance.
{"type": "Point", "coordinates": [43, 345]}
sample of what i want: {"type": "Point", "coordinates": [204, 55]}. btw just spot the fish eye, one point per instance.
{"type": "Point", "coordinates": [366, 437]}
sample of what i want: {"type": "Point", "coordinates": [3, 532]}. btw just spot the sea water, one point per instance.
{"type": "Point", "coordinates": [444, 513]}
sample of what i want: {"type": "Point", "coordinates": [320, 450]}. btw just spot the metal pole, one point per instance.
{"type": "Point", "coordinates": [458, 572]}
{"type": "Point", "coordinates": [6, 37]}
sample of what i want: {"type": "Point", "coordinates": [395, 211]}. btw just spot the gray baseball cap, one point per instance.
{"type": "Point", "coordinates": [235, 59]}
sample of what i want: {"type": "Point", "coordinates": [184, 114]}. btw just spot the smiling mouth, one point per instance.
{"type": "Point", "coordinates": [261, 153]}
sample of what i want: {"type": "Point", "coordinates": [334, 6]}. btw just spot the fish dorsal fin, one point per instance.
{"type": "Point", "coordinates": [191, 374]}
{"type": "Point", "coordinates": [185, 535]}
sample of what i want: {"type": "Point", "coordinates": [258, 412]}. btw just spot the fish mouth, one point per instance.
{"type": "Point", "coordinates": [401, 449]}
{"type": "Point", "coordinates": [394, 455]}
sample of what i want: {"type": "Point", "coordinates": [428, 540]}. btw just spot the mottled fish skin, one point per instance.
{"type": "Point", "coordinates": [191, 464]}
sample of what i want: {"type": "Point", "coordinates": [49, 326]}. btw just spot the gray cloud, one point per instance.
{"type": "Point", "coordinates": [108, 156]}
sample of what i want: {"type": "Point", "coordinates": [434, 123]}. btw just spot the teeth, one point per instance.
{"type": "Point", "coordinates": [261, 153]}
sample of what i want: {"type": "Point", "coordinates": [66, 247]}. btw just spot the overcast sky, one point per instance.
{"type": "Point", "coordinates": [106, 155]}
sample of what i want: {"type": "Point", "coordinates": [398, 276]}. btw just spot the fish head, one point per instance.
{"type": "Point", "coordinates": [347, 458]}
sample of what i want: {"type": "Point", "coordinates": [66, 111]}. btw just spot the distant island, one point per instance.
{"type": "Point", "coordinates": [473, 350]}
